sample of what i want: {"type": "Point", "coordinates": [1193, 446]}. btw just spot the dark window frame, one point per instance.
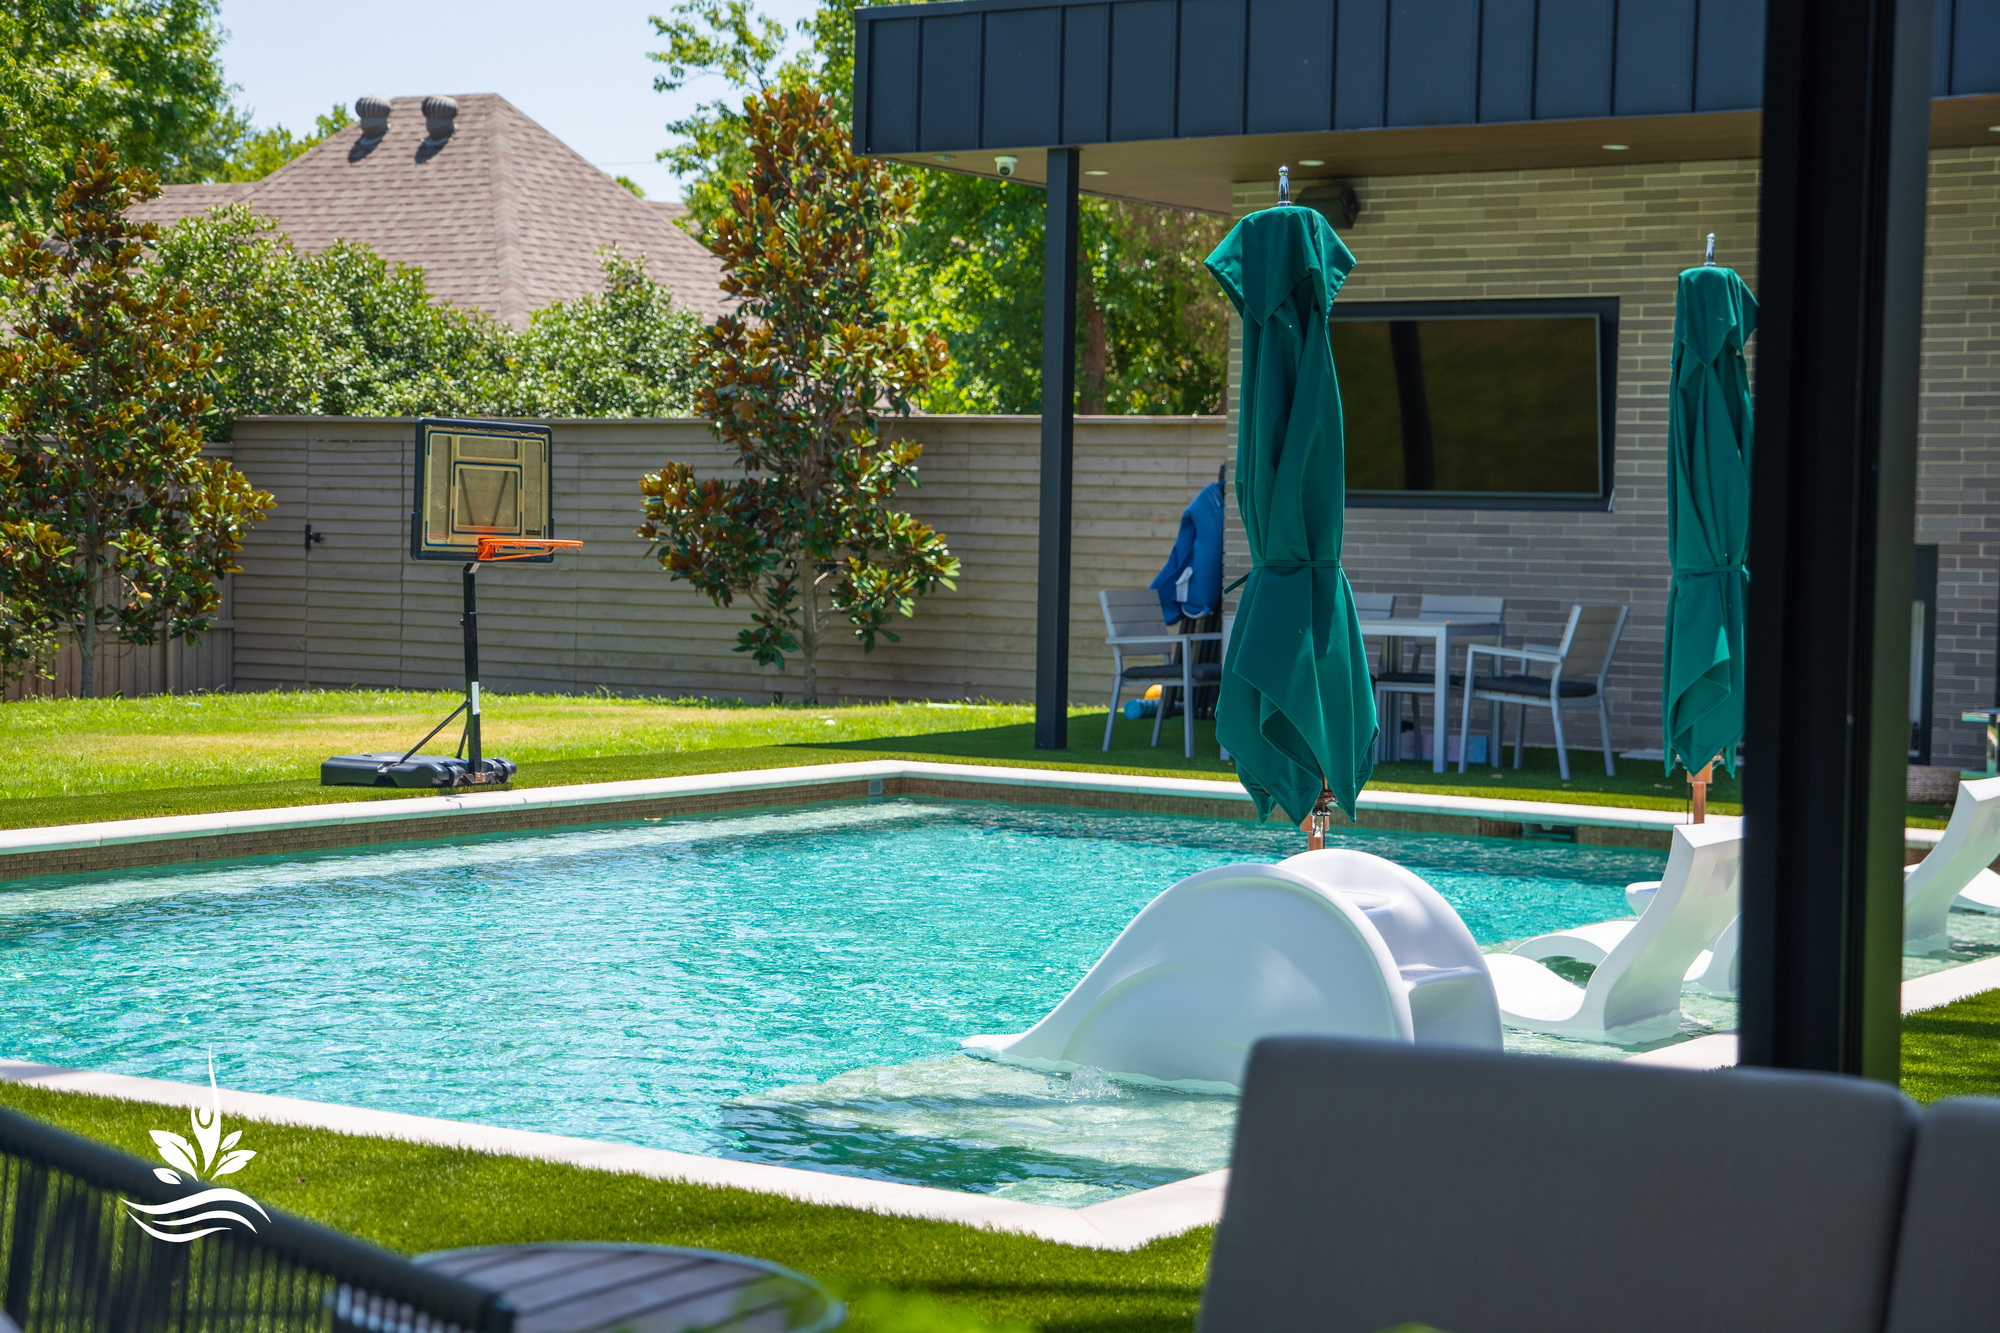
{"type": "Point", "coordinates": [1603, 308]}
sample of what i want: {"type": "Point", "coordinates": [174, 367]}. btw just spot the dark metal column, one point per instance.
{"type": "Point", "coordinates": [1840, 270]}
{"type": "Point", "coordinates": [1058, 432]}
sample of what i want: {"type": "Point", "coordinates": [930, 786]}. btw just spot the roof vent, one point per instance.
{"type": "Point", "coordinates": [373, 113]}
{"type": "Point", "coordinates": [439, 113]}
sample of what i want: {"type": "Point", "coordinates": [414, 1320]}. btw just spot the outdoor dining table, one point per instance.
{"type": "Point", "coordinates": [611, 1288]}
{"type": "Point", "coordinates": [1441, 633]}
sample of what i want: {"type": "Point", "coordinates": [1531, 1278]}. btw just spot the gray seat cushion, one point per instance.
{"type": "Point", "coordinates": [1536, 687]}
{"type": "Point", "coordinates": [1376, 1184]}
{"type": "Point", "coordinates": [1945, 1266]}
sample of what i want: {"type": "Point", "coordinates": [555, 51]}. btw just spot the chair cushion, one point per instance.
{"type": "Point", "coordinates": [1944, 1258]}
{"type": "Point", "coordinates": [1538, 686]}
{"type": "Point", "coordinates": [1165, 671]}
{"type": "Point", "coordinates": [1205, 673]}
{"type": "Point", "coordinates": [1376, 1183]}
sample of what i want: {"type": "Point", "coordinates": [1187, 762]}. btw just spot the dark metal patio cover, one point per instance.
{"type": "Point", "coordinates": [1173, 100]}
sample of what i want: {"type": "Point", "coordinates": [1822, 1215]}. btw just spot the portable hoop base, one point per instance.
{"type": "Point", "coordinates": [411, 769]}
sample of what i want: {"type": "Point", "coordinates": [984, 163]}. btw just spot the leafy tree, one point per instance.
{"type": "Point", "coordinates": [142, 74]}
{"type": "Point", "coordinates": [115, 522]}
{"type": "Point", "coordinates": [262, 152]}
{"type": "Point", "coordinates": [345, 332]}
{"type": "Point", "coordinates": [623, 352]}
{"type": "Point", "coordinates": [730, 39]}
{"type": "Point", "coordinates": [796, 380]}
{"type": "Point", "coordinates": [1152, 330]}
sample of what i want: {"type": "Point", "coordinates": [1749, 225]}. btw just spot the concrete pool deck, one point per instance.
{"type": "Point", "coordinates": [131, 843]}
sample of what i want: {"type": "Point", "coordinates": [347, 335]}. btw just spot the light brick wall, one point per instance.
{"type": "Point", "coordinates": [1627, 231]}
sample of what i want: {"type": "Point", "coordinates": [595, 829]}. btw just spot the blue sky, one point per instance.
{"type": "Point", "coordinates": [579, 68]}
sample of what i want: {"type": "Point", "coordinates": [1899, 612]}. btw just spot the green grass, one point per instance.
{"type": "Point", "coordinates": [1953, 1051]}
{"type": "Point", "coordinates": [900, 1275]}
{"type": "Point", "coordinates": [76, 761]}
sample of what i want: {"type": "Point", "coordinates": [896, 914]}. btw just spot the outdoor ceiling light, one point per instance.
{"type": "Point", "coordinates": [1617, 147]}
{"type": "Point", "coordinates": [1097, 173]}
{"type": "Point", "coordinates": [1312, 161]}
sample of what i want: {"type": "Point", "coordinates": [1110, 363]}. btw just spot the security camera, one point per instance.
{"type": "Point", "coordinates": [1006, 163]}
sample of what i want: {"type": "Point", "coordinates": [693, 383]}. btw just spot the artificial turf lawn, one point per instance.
{"type": "Point", "coordinates": [899, 1275]}
{"type": "Point", "coordinates": [75, 761]}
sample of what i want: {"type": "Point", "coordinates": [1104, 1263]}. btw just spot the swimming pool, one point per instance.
{"type": "Point", "coordinates": [786, 987]}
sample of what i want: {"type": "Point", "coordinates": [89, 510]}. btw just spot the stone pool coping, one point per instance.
{"type": "Point", "coordinates": [129, 843]}
{"type": "Point", "coordinates": [1124, 1223]}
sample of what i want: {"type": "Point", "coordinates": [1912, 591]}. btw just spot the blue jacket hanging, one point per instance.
{"type": "Point", "coordinates": [1197, 547]}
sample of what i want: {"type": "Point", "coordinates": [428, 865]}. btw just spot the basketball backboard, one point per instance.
{"type": "Point", "coordinates": [478, 479]}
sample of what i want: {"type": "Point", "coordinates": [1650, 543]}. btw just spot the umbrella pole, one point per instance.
{"type": "Point", "coordinates": [1699, 782]}
{"type": "Point", "coordinates": [1318, 820]}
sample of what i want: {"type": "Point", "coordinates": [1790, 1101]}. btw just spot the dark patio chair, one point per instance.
{"type": "Point", "coordinates": [73, 1261]}
{"type": "Point", "coordinates": [1376, 1184]}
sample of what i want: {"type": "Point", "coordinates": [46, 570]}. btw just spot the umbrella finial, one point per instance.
{"type": "Point", "coordinates": [1708, 260]}
{"type": "Point", "coordinates": [1284, 185]}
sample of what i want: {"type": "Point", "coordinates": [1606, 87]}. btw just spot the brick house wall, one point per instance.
{"type": "Point", "coordinates": [1627, 231]}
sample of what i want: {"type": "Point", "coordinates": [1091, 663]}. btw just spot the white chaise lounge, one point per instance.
{"type": "Point", "coordinates": [1714, 971]}
{"type": "Point", "coordinates": [1338, 943]}
{"type": "Point", "coordinates": [1635, 993]}
{"type": "Point", "coordinates": [1955, 873]}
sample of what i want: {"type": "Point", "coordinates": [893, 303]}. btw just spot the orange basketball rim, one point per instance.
{"type": "Point", "coordinates": [522, 548]}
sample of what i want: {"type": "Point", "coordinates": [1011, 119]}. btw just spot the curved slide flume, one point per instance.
{"type": "Point", "coordinates": [1333, 943]}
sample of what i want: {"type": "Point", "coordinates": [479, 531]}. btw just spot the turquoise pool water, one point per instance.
{"type": "Point", "coordinates": [783, 986]}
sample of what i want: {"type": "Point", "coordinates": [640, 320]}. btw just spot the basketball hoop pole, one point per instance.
{"type": "Point", "coordinates": [470, 620]}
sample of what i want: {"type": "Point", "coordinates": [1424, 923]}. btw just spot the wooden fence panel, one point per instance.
{"type": "Point", "coordinates": [357, 611]}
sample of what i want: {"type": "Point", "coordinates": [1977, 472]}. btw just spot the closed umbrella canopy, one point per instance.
{"type": "Point", "coordinates": [1190, 584]}
{"type": "Point", "coordinates": [1708, 517]}
{"type": "Point", "coordinates": [1297, 708]}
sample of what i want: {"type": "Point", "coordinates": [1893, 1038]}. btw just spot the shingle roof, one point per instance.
{"type": "Point", "coordinates": [503, 215]}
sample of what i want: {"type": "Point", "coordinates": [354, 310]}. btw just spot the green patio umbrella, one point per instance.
{"type": "Point", "coordinates": [1296, 708]}
{"type": "Point", "coordinates": [1708, 518]}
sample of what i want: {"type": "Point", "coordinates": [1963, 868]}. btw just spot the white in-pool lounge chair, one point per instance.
{"type": "Point", "coordinates": [1713, 972]}
{"type": "Point", "coordinates": [1333, 942]}
{"type": "Point", "coordinates": [1635, 993]}
{"type": "Point", "coordinates": [1956, 872]}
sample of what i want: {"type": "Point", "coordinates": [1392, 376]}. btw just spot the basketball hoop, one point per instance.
{"type": "Point", "coordinates": [481, 495]}
{"type": "Point", "coordinates": [491, 549]}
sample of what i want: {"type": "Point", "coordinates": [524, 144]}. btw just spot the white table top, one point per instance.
{"type": "Point", "coordinates": [1411, 628]}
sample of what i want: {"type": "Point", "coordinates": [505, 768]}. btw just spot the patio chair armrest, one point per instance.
{"type": "Point", "coordinates": [1127, 640]}
{"type": "Point", "coordinates": [1521, 654]}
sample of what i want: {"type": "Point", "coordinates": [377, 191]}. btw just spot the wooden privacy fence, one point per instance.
{"type": "Point", "coordinates": [354, 610]}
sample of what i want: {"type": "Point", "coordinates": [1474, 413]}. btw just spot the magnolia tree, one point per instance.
{"type": "Point", "coordinates": [111, 521]}
{"type": "Point", "coordinates": [798, 379]}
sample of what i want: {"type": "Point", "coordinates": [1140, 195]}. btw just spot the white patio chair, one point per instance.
{"type": "Point", "coordinates": [1635, 993]}
{"type": "Point", "coordinates": [1338, 943]}
{"type": "Point", "coordinates": [1132, 622]}
{"type": "Point", "coordinates": [1399, 679]}
{"type": "Point", "coordinates": [1588, 643]}
{"type": "Point", "coordinates": [1955, 873]}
